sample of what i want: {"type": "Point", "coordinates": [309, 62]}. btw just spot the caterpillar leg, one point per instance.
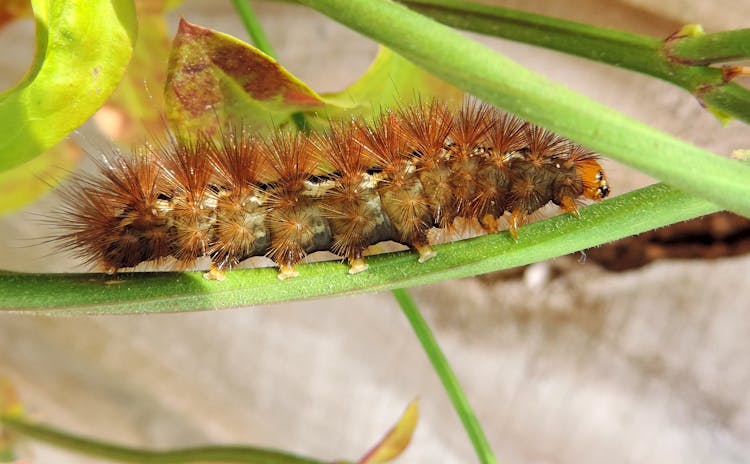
{"type": "Point", "coordinates": [215, 274]}
{"type": "Point", "coordinates": [489, 223]}
{"type": "Point", "coordinates": [287, 271]}
{"type": "Point", "coordinates": [357, 265]}
{"type": "Point", "coordinates": [517, 219]}
{"type": "Point", "coordinates": [569, 205]}
{"type": "Point", "coordinates": [425, 251]}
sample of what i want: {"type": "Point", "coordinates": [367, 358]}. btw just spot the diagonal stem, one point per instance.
{"type": "Point", "coordinates": [447, 376]}
{"type": "Point", "coordinates": [672, 60]}
{"type": "Point", "coordinates": [506, 84]}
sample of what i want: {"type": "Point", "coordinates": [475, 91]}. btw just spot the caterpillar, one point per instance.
{"type": "Point", "coordinates": [355, 184]}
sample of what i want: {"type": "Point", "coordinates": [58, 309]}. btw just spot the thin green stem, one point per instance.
{"type": "Point", "coordinates": [150, 292]}
{"type": "Point", "coordinates": [447, 376]}
{"type": "Point", "coordinates": [711, 48]}
{"type": "Point", "coordinates": [671, 61]}
{"type": "Point", "coordinates": [253, 27]}
{"type": "Point", "coordinates": [203, 455]}
{"type": "Point", "coordinates": [506, 84]}
{"type": "Point", "coordinates": [258, 36]}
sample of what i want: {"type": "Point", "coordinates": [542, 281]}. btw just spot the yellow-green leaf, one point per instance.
{"type": "Point", "coordinates": [391, 80]}
{"type": "Point", "coordinates": [135, 110]}
{"type": "Point", "coordinates": [24, 184]}
{"type": "Point", "coordinates": [82, 50]}
{"type": "Point", "coordinates": [396, 440]}
{"type": "Point", "coordinates": [10, 406]}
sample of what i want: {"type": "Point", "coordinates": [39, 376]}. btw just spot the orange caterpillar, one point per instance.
{"type": "Point", "coordinates": [344, 190]}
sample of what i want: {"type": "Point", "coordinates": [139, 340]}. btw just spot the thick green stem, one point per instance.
{"type": "Point", "coordinates": [109, 451]}
{"type": "Point", "coordinates": [671, 61]}
{"type": "Point", "coordinates": [149, 292]}
{"type": "Point", "coordinates": [447, 376]}
{"type": "Point", "coordinates": [506, 84]}
{"type": "Point", "coordinates": [711, 48]}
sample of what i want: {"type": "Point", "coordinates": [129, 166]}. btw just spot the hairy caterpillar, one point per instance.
{"type": "Point", "coordinates": [355, 185]}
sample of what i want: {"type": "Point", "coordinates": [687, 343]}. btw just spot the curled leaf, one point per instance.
{"type": "Point", "coordinates": [134, 111]}
{"type": "Point", "coordinates": [82, 49]}
{"type": "Point", "coordinates": [24, 184]}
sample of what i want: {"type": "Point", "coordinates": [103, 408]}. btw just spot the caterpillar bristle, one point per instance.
{"type": "Point", "coordinates": [294, 219]}
{"type": "Point", "coordinates": [186, 169]}
{"type": "Point", "coordinates": [401, 192]}
{"type": "Point", "coordinates": [425, 129]}
{"type": "Point", "coordinates": [351, 204]}
{"type": "Point", "coordinates": [236, 196]}
{"type": "Point", "coordinates": [239, 230]}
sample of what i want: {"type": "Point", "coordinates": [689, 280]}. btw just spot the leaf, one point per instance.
{"type": "Point", "coordinates": [135, 110]}
{"type": "Point", "coordinates": [10, 406]}
{"type": "Point", "coordinates": [24, 184]}
{"type": "Point", "coordinates": [391, 80]}
{"type": "Point", "coordinates": [397, 438]}
{"type": "Point", "coordinates": [10, 402]}
{"type": "Point", "coordinates": [213, 76]}
{"type": "Point", "coordinates": [82, 49]}
{"type": "Point", "coordinates": [13, 9]}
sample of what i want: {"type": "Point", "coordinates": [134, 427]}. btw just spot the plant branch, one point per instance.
{"type": "Point", "coordinates": [149, 292]}
{"type": "Point", "coordinates": [202, 455]}
{"type": "Point", "coordinates": [506, 84]}
{"type": "Point", "coordinates": [670, 60]}
{"type": "Point", "coordinates": [447, 376]}
{"type": "Point", "coordinates": [711, 48]}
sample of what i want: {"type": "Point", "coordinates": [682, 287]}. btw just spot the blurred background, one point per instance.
{"type": "Point", "coordinates": [574, 360]}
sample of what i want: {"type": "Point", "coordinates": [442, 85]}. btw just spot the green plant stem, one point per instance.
{"type": "Point", "coordinates": [447, 376]}
{"type": "Point", "coordinates": [258, 36]}
{"type": "Point", "coordinates": [506, 84]}
{"type": "Point", "coordinates": [150, 292]}
{"type": "Point", "coordinates": [712, 48]}
{"type": "Point", "coordinates": [253, 27]}
{"type": "Point", "coordinates": [671, 61]}
{"type": "Point", "coordinates": [203, 455]}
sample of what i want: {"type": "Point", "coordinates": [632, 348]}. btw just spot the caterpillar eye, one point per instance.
{"type": "Point", "coordinates": [603, 191]}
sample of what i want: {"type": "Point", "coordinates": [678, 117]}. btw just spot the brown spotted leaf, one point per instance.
{"type": "Point", "coordinates": [212, 76]}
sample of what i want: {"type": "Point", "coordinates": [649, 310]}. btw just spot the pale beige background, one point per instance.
{"type": "Point", "coordinates": [565, 363]}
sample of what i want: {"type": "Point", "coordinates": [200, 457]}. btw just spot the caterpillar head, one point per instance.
{"type": "Point", "coordinates": [595, 185]}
